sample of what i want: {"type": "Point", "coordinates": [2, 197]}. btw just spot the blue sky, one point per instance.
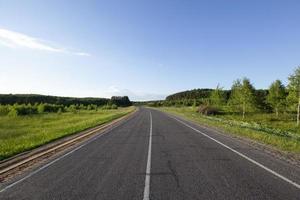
{"type": "Point", "coordinates": [144, 49]}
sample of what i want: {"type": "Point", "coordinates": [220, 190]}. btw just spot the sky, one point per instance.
{"type": "Point", "coordinates": [146, 49]}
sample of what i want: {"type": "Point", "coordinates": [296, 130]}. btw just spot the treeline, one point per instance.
{"type": "Point", "coordinates": [243, 97]}
{"type": "Point", "coordinates": [190, 94]}
{"type": "Point", "coordinates": [29, 109]}
{"type": "Point", "coordinates": [10, 99]}
{"type": "Point", "coordinates": [15, 105]}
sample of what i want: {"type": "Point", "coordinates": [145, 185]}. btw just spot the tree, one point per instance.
{"type": "Point", "coordinates": [194, 104]}
{"type": "Point", "coordinates": [41, 108]}
{"type": "Point", "coordinates": [242, 96]}
{"type": "Point", "coordinates": [217, 97]}
{"type": "Point", "coordinates": [120, 101]}
{"type": "Point", "coordinates": [277, 96]}
{"type": "Point", "coordinates": [294, 92]}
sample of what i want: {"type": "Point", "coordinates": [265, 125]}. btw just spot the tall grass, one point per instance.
{"type": "Point", "coordinates": [280, 133]}
{"type": "Point", "coordinates": [22, 133]}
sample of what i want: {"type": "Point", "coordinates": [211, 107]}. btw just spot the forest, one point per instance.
{"type": "Point", "coordinates": [26, 104]}
{"type": "Point", "coordinates": [243, 98]}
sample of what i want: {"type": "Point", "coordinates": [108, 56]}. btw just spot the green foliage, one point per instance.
{"type": "Point", "coordinates": [13, 112]}
{"type": "Point", "coordinates": [4, 109]}
{"type": "Point", "coordinates": [34, 99]}
{"type": "Point", "coordinates": [281, 132]}
{"type": "Point", "coordinates": [190, 94]}
{"type": "Point", "coordinates": [242, 97]}
{"type": "Point", "coordinates": [294, 89]}
{"type": "Point", "coordinates": [120, 101]}
{"type": "Point", "coordinates": [72, 108]}
{"type": "Point", "coordinates": [194, 104]}
{"type": "Point", "coordinates": [89, 107]}
{"type": "Point", "coordinates": [277, 96]}
{"type": "Point", "coordinates": [18, 134]}
{"type": "Point", "coordinates": [114, 106]}
{"type": "Point", "coordinates": [59, 111]}
{"type": "Point", "coordinates": [217, 97]}
{"type": "Point", "coordinates": [41, 108]}
{"type": "Point", "coordinates": [109, 107]}
{"type": "Point", "coordinates": [294, 93]}
{"type": "Point", "coordinates": [23, 109]}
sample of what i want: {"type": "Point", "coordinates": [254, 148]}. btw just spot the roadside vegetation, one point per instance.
{"type": "Point", "coordinates": [271, 116]}
{"type": "Point", "coordinates": [28, 125]}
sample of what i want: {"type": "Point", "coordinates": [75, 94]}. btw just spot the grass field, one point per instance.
{"type": "Point", "coordinates": [281, 133]}
{"type": "Point", "coordinates": [23, 133]}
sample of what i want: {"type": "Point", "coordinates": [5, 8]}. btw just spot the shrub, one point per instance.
{"type": "Point", "coordinates": [89, 107]}
{"type": "Point", "coordinates": [208, 110]}
{"type": "Point", "coordinates": [82, 107]}
{"type": "Point", "coordinates": [114, 106]}
{"type": "Point", "coordinates": [109, 107]}
{"type": "Point", "coordinates": [41, 108]}
{"type": "Point", "coordinates": [13, 112]}
{"type": "Point", "coordinates": [72, 108]}
{"type": "Point", "coordinates": [24, 109]}
{"type": "Point", "coordinates": [4, 110]}
{"type": "Point", "coordinates": [59, 111]}
{"type": "Point", "coordinates": [106, 107]}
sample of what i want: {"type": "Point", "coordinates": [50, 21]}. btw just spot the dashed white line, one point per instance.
{"type": "Point", "coordinates": [148, 168]}
{"type": "Point", "coordinates": [242, 155]}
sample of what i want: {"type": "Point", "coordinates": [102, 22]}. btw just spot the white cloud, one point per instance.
{"type": "Point", "coordinates": [14, 39]}
{"type": "Point", "coordinates": [134, 96]}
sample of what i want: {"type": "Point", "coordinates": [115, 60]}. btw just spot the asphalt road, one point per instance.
{"type": "Point", "coordinates": [183, 161]}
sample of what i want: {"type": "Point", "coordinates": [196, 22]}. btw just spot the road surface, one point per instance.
{"type": "Point", "coordinates": [182, 161]}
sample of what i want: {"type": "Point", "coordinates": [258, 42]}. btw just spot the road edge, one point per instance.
{"type": "Point", "coordinates": [59, 145]}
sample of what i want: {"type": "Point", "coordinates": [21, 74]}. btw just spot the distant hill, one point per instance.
{"type": "Point", "coordinates": [187, 97]}
{"type": "Point", "coordinates": [192, 94]}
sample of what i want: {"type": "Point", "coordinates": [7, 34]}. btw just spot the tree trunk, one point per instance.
{"type": "Point", "coordinates": [244, 111]}
{"type": "Point", "coordinates": [298, 112]}
{"type": "Point", "coordinates": [276, 111]}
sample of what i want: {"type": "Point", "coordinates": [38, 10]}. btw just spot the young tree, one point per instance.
{"type": "Point", "coordinates": [242, 96]}
{"type": "Point", "coordinates": [194, 104]}
{"type": "Point", "coordinates": [217, 97]}
{"type": "Point", "coordinates": [41, 108]}
{"type": "Point", "coordinates": [277, 96]}
{"type": "Point", "coordinates": [294, 92]}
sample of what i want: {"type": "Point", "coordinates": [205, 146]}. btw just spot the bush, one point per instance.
{"type": "Point", "coordinates": [72, 108]}
{"type": "Point", "coordinates": [207, 110]}
{"type": "Point", "coordinates": [59, 111]}
{"type": "Point", "coordinates": [41, 108]}
{"type": "Point", "coordinates": [4, 110]}
{"type": "Point", "coordinates": [106, 107]}
{"type": "Point", "coordinates": [53, 108]}
{"type": "Point", "coordinates": [13, 112]}
{"type": "Point", "coordinates": [24, 109]}
{"type": "Point", "coordinates": [114, 106]}
{"type": "Point", "coordinates": [109, 107]}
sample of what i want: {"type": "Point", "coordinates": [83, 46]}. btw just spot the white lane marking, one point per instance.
{"type": "Point", "coordinates": [148, 168]}
{"type": "Point", "coordinates": [242, 155]}
{"type": "Point", "coordinates": [57, 159]}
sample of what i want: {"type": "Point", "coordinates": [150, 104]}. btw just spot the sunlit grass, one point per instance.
{"type": "Point", "coordinates": [285, 124]}
{"type": "Point", "coordinates": [22, 133]}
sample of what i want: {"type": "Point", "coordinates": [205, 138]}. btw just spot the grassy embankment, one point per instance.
{"type": "Point", "coordinates": [23, 133]}
{"type": "Point", "coordinates": [281, 133]}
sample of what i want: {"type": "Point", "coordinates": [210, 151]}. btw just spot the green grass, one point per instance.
{"type": "Point", "coordinates": [22, 133]}
{"type": "Point", "coordinates": [282, 133]}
